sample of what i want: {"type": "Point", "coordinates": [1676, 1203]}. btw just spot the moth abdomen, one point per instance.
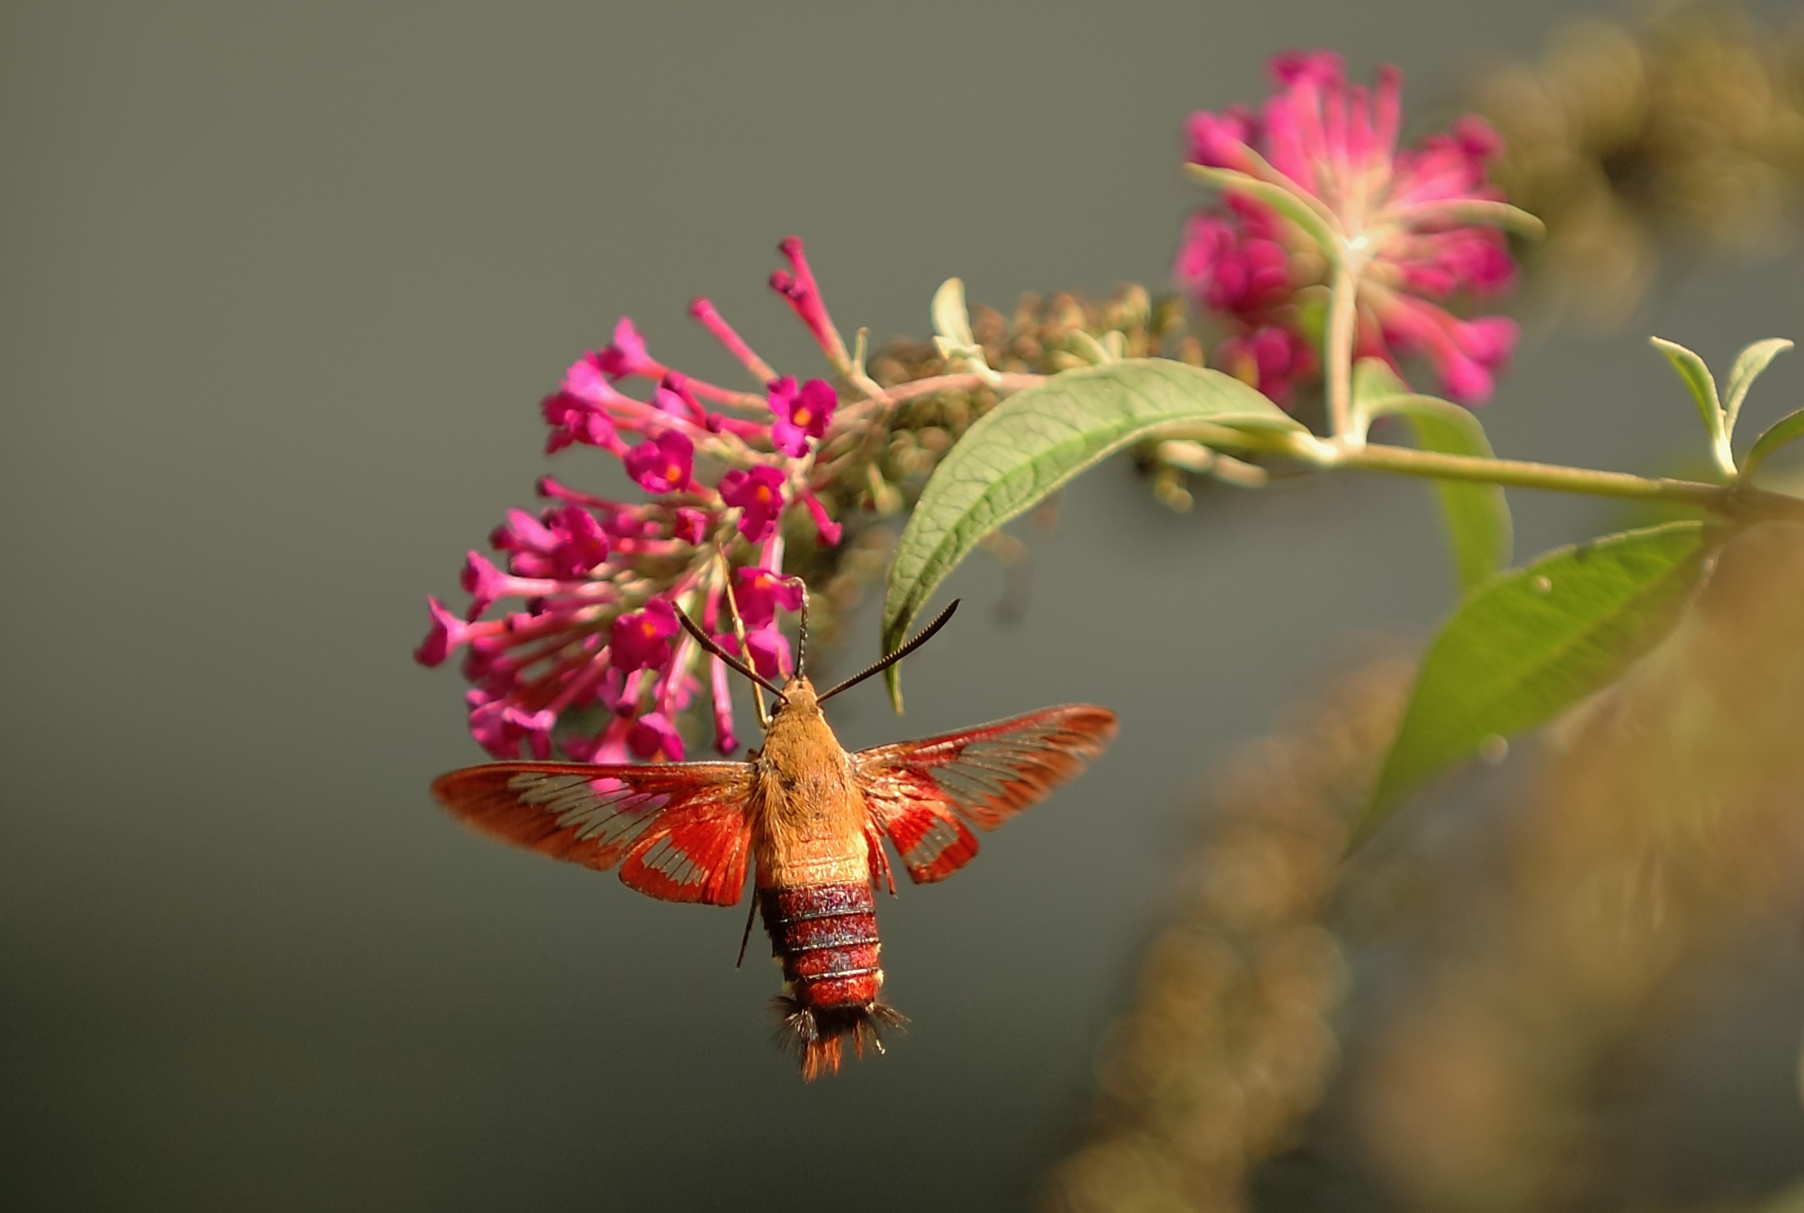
{"type": "Point", "coordinates": [826, 938]}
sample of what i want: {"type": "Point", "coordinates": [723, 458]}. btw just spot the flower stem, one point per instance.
{"type": "Point", "coordinates": [1556, 477]}
{"type": "Point", "coordinates": [1343, 316]}
{"type": "Point", "coordinates": [914, 389]}
{"type": "Point", "coordinates": [1740, 502]}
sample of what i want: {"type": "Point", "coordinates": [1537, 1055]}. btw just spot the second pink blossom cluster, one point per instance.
{"type": "Point", "coordinates": [1336, 147]}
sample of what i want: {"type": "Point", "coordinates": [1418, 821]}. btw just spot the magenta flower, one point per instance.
{"type": "Point", "coordinates": [653, 737]}
{"type": "Point", "coordinates": [825, 527]}
{"type": "Point", "coordinates": [1414, 227]}
{"type": "Point", "coordinates": [804, 295]}
{"type": "Point", "coordinates": [674, 398]}
{"type": "Point", "coordinates": [759, 493]}
{"type": "Point", "coordinates": [568, 543]}
{"type": "Point", "coordinates": [663, 463]}
{"type": "Point", "coordinates": [641, 639]}
{"type": "Point", "coordinates": [484, 583]}
{"type": "Point", "coordinates": [608, 746]}
{"type": "Point", "coordinates": [720, 684]}
{"type": "Point", "coordinates": [1271, 358]}
{"type": "Point", "coordinates": [567, 649]}
{"type": "Point", "coordinates": [691, 526]}
{"type": "Point", "coordinates": [759, 592]}
{"type": "Point", "coordinates": [800, 414]}
{"type": "Point", "coordinates": [446, 633]}
{"type": "Point", "coordinates": [574, 419]}
{"type": "Point", "coordinates": [626, 355]}
{"type": "Point", "coordinates": [580, 544]}
{"type": "Point", "coordinates": [769, 652]}
{"type": "Point", "coordinates": [703, 309]}
{"type": "Point", "coordinates": [588, 382]}
{"type": "Point", "coordinates": [1231, 270]}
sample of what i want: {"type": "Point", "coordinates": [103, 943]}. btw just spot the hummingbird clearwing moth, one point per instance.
{"type": "Point", "coordinates": [811, 819]}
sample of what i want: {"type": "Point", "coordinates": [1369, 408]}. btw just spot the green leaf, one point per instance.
{"type": "Point", "coordinates": [1466, 211]}
{"type": "Point", "coordinates": [1790, 1200]}
{"type": "Point", "coordinates": [1477, 515]}
{"type": "Point", "coordinates": [1036, 440]}
{"type": "Point", "coordinates": [1536, 640]}
{"type": "Point", "coordinates": [1288, 200]}
{"type": "Point", "coordinates": [1702, 383]}
{"type": "Point", "coordinates": [1786, 429]}
{"type": "Point", "coordinates": [1373, 381]}
{"type": "Point", "coordinates": [1748, 365]}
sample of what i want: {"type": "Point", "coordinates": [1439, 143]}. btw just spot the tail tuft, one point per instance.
{"type": "Point", "coordinates": [817, 1034]}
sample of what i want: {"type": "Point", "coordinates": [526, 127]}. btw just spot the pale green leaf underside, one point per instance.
{"type": "Point", "coordinates": [1534, 641]}
{"type": "Point", "coordinates": [1287, 200]}
{"type": "Point", "coordinates": [1748, 365]}
{"type": "Point", "coordinates": [1699, 380]}
{"type": "Point", "coordinates": [1476, 515]}
{"type": "Point", "coordinates": [1474, 210]}
{"type": "Point", "coordinates": [1032, 443]}
{"type": "Point", "coordinates": [1786, 429]}
{"type": "Point", "coordinates": [950, 319]}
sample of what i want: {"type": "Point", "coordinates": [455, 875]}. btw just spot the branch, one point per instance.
{"type": "Point", "coordinates": [1742, 503]}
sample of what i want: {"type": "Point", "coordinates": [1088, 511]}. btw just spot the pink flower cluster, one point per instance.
{"type": "Point", "coordinates": [594, 584]}
{"type": "Point", "coordinates": [1335, 146]}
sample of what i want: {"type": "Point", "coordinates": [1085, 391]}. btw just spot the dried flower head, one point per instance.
{"type": "Point", "coordinates": [1683, 129]}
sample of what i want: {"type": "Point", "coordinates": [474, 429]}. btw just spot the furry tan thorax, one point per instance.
{"type": "Point", "coordinates": [806, 811]}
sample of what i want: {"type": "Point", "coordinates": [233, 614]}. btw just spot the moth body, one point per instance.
{"type": "Point", "coordinates": [814, 876]}
{"type": "Point", "coordinates": [810, 820]}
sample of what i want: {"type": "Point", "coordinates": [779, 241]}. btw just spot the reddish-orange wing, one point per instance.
{"type": "Point", "coordinates": [922, 793]}
{"type": "Point", "coordinates": [677, 830]}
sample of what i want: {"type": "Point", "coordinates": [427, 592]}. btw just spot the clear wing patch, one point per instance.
{"type": "Point", "coordinates": [678, 831]}
{"type": "Point", "coordinates": [605, 812]}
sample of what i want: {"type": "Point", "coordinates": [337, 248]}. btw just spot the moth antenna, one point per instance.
{"type": "Point", "coordinates": [893, 658]}
{"type": "Point", "coordinates": [802, 635]}
{"type": "Point", "coordinates": [751, 913]}
{"type": "Point", "coordinates": [707, 642]}
{"type": "Point", "coordinates": [739, 632]}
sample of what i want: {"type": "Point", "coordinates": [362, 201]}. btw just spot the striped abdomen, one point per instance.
{"type": "Point", "coordinates": [826, 938]}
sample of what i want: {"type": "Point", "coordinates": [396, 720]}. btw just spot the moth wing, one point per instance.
{"type": "Point", "coordinates": [924, 794]}
{"type": "Point", "coordinates": [678, 831]}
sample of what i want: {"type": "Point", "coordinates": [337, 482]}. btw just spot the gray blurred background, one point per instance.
{"type": "Point", "coordinates": [281, 287]}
